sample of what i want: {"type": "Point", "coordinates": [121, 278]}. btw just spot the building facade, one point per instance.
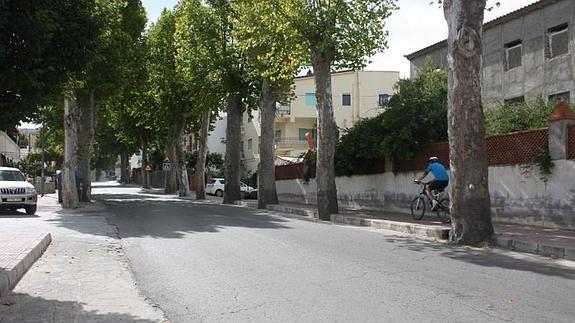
{"type": "Point", "coordinates": [356, 95]}
{"type": "Point", "coordinates": [526, 53]}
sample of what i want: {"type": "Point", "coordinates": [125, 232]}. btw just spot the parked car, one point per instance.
{"type": "Point", "coordinates": [252, 195]}
{"type": "Point", "coordinates": [16, 192]}
{"type": "Point", "coordinates": [216, 187]}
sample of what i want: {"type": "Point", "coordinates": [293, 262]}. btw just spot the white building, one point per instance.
{"type": "Point", "coordinates": [356, 95]}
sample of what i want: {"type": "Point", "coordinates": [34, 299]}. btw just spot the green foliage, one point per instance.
{"type": "Point", "coordinates": [350, 30]}
{"type": "Point", "coordinates": [416, 115]}
{"type": "Point", "coordinates": [543, 162]}
{"type": "Point", "coordinates": [214, 162]}
{"type": "Point", "coordinates": [506, 118]}
{"type": "Point", "coordinates": [270, 44]}
{"type": "Point", "coordinates": [43, 43]}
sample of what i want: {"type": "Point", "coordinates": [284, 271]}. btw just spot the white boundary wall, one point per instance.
{"type": "Point", "coordinates": [517, 194]}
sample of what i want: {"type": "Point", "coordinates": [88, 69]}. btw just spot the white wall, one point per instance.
{"type": "Point", "coordinates": [8, 147]}
{"type": "Point", "coordinates": [517, 194]}
{"type": "Point", "coordinates": [218, 135]}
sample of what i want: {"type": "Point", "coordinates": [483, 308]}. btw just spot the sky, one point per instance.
{"type": "Point", "coordinates": [417, 24]}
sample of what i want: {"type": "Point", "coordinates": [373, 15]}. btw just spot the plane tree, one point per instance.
{"type": "Point", "coordinates": [275, 56]}
{"type": "Point", "coordinates": [240, 92]}
{"type": "Point", "coordinates": [337, 34]}
{"type": "Point", "coordinates": [470, 202]}
{"type": "Point", "coordinates": [197, 30]}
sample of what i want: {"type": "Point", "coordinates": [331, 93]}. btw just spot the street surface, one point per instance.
{"type": "Point", "coordinates": [205, 262]}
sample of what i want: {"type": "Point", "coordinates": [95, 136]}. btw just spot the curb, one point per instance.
{"type": "Point", "coordinates": [535, 248]}
{"type": "Point", "coordinates": [17, 267]}
{"type": "Point", "coordinates": [404, 227]}
{"type": "Point", "coordinates": [502, 242]}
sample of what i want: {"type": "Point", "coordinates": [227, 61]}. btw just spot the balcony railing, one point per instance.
{"type": "Point", "coordinates": [283, 110]}
{"type": "Point", "coordinates": [291, 142]}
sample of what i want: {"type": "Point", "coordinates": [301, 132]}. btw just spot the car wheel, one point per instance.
{"type": "Point", "coordinates": [219, 193]}
{"type": "Point", "coordinates": [31, 209]}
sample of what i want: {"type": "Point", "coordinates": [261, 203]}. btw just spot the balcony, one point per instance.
{"type": "Point", "coordinates": [286, 144]}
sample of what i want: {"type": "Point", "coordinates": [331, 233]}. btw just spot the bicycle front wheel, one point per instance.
{"type": "Point", "coordinates": [418, 208]}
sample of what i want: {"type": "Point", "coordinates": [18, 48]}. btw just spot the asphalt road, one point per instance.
{"type": "Point", "coordinates": [205, 262]}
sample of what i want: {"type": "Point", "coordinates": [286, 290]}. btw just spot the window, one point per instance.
{"type": "Point", "coordinates": [383, 99]}
{"type": "Point", "coordinates": [513, 53]}
{"type": "Point", "coordinates": [310, 99]}
{"type": "Point", "coordinates": [278, 134]}
{"type": "Point", "coordinates": [284, 108]}
{"type": "Point", "coordinates": [563, 96]}
{"type": "Point", "coordinates": [302, 132]}
{"type": "Point", "coordinates": [346, 99]}
{"type": "Point", "coordinates": [250, 142]}
{"type": "Point", "coordinates": [557, 42]}
{"type": "Point", "coordinates": [515, 101]}
{"type": "Point", "coordinates": [242, 149]}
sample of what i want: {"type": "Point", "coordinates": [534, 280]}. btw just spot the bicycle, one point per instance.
{"type": "Point", "coordinates": [420, 203]}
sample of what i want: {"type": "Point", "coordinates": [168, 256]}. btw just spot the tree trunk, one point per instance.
{"type": "Point", "coordinates": [124, 175]}
{"type": "Point", "coordinates": [202, 154]}
{"type": "Point", "coordinates": [470, 204]}
{"type": "Point", "coordinates": [181, 168]}
{"type": "Point", "coordinates": [145, 164]}
{"type": "Point", "coordinates": [267, 193]}
{"type": "Point", "coordinates": [328, 135]}
{"type": "Point", "coordinates": [232, 161]}
{"type": "Point", "coordinates": [69, 191]}
{"type": "Point", "coordinates": [174, 175]}
{"type": "Point", "coordinates": [87, 111]}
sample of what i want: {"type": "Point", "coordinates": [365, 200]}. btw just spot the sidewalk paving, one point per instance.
{"type": "Point", "coordinates": [83, 276]}
{"type": "Point", "coordinates": [555, 243]}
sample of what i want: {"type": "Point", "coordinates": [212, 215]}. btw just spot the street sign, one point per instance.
{"type": "Point", "coordinates": [166, 166]}
{"type": "Point", "coordinates": [148, 168]}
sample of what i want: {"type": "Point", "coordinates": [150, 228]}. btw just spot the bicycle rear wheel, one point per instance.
{"type": "Point", "coordinates": [442, 210]}
{"type": "Point", "coordinates": [418, 208]}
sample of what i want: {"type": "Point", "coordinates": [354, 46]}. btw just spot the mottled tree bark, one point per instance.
{"type": "Point", "coordinates": [181, 168]}
{"type": "Point", "coordinates": [267, 193]}
{"type": "Point", "coordinates": [470, 204]}
{"type": "Point", "coordinates": [202, 154]}
{"type": "Point", "coordinates": [145, 163]}
{"type": "Point", "coordinates": [87, 111]}
{"type": "Point", "coordinates": [232, 160]}
{"type": "Point", "coordinates": [328, 135]}
{"type": "Point", "coordinates": [173, 175]}
{"type": "Point", "coordinates": [124, 175]}
{"type": "Point", "coordinates": [69, 192]}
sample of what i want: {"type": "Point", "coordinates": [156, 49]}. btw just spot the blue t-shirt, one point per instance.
{"type": "Point", "coordinates": [438, 171]}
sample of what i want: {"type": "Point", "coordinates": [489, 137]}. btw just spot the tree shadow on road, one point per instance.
{"type": "Point", "coordinates": [490, 257]}
{"type": "Point", "coordinates": [24, 308]}
{"type": "Point", "coordinates": [157, 216]}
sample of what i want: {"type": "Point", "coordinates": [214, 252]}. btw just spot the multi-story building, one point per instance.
{"type": "Point", "coordinates": [526, 53]}
{"type": "Point", "coordinates": [356, 95]}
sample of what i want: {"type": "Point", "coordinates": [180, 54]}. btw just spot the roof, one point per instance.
{"type": "Point", "coordinates": [9, 168]}
{"type": "Point", "coordinates": [493, 23]}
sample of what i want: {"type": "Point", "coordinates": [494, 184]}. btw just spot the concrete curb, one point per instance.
{"type": "Point", "coordinates": [502, 242]}
{"type": "Point", "coordinates": [17, 267]}
{"type": "Point", "coordinates": [404, 227]}
{"type": "Point", "coordinates": [535, 248]}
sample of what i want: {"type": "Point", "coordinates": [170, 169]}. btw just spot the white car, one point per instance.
{"type": "Point", "coordinates": [216, 187]}
{"type": "Point", "coordinates": [16, 192]}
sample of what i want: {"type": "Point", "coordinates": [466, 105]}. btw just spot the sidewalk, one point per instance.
{"type": "Point", "coordinates": [555, 243]}
{"type": "Point", "coordinates": [83, 276]}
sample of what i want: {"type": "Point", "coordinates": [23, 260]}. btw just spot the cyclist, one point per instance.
{"type": "Point", "coordinates": [439, 182]}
